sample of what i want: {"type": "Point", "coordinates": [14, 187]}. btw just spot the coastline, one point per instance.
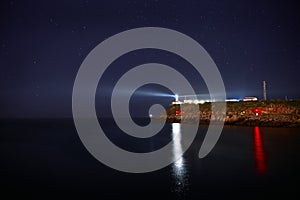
{"type": "Point", "coordinates": [273, 113]}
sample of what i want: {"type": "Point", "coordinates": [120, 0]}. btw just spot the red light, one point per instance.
{"type": "Point", "coordinates": [257, 110]}
{"type": "Point", "coordinates": [259, 152]}
{"type": "Point", "coordinates": [177, 112]}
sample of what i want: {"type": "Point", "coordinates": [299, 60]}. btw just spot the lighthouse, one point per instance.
{"type": "Point", "coordinates": [176, 97]}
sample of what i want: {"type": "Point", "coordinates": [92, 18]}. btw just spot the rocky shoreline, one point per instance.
{"type": "Point", "coordinates": [274, 113]}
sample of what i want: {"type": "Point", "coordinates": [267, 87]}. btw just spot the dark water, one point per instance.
{"type": "Point", "coordinates": [46, 159]}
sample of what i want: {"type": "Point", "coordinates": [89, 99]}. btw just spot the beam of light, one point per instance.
{"type": "Point", "coordinates": [259, 153]}
{"type": "Point", "coordinates": [146, 93]}
{"type": "Point", "coordinates": [162, 95]}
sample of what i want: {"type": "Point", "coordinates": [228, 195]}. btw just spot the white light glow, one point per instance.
{"type": "Point", "coordinates": [177, 147]}
{"type": "Point", "coordinates": [176, 97]}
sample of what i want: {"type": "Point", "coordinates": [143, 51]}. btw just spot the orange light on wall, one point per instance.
{"type": "Point", "coordinates": [259, 153]}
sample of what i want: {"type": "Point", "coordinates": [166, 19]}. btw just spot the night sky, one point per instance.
{"type": "Point", "coordinates": [43, 43]}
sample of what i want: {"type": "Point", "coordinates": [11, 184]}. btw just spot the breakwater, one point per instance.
{"type": "Point", "coordinates": [274, 113]}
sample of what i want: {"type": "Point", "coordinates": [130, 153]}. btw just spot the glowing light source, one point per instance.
{"type": "Point", "coordinates": [201, 101]}
{"type": "Point", "coordinates": [250, 99]}
{"type": "Point", "coordinates": [257, 111]}
{"type": "Point", "coordinates": [176, 97]}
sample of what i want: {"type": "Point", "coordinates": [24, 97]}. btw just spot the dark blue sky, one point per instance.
{"type": "Point", "coordinates": [43, 43]}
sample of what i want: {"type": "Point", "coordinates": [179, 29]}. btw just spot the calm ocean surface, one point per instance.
{"type": "Point", "coordinates": [46, 159]}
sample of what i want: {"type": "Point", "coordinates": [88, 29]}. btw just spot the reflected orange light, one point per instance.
{"type": "Point", "coordinates": [260, 158]}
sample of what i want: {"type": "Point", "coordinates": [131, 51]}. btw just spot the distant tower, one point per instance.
{"type": "Point", "coordinates": [265, 90]}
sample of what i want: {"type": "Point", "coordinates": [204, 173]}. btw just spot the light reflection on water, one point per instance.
{"type": "Point", "coordinates": [179, 170]}
{"type": "Point", "coordinates": [259, 152]}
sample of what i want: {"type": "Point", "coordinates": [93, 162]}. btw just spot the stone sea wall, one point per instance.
{"type": "Point", "coordinates": [275, 113]}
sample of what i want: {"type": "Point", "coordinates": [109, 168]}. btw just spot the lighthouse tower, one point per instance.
{"type": "Point", "coordinates": [176, 97]}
